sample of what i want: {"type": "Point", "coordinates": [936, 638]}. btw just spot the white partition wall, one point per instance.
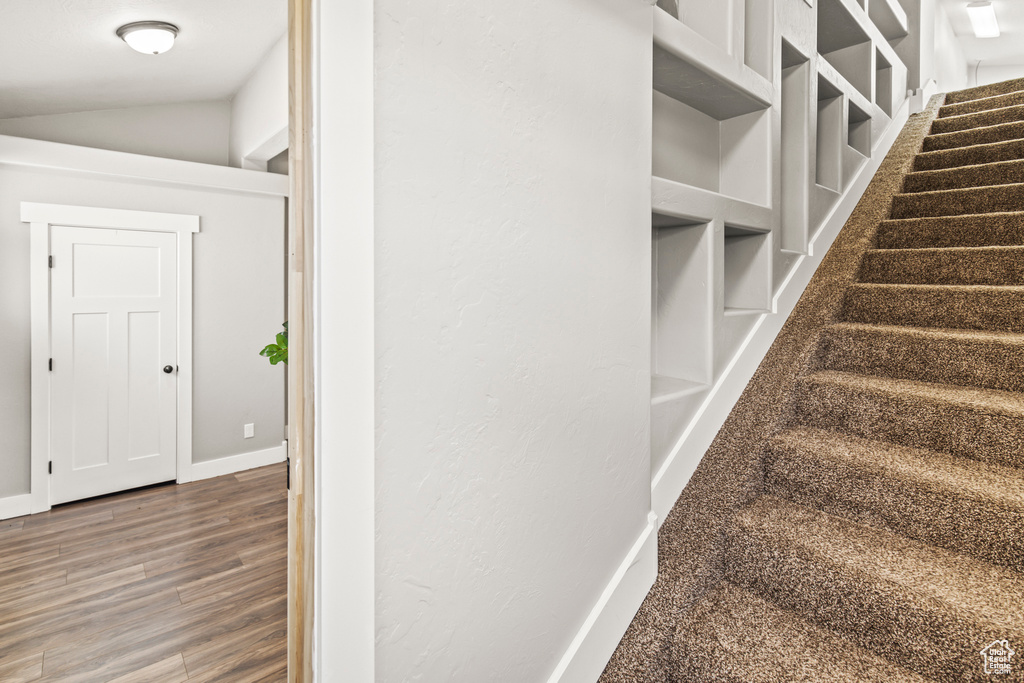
{"type": "Point", "coordinates": [547, 365]}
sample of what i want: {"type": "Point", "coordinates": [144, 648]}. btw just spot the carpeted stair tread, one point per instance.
{"type": "Point", "coordinates": [971, 230]}
{"type": "Point", "coordinates": [978, 92]}
{"type": "Point", "coordinates": [970, 307]}
{"type": "Point", "coordinates": [981, 424]}
{"type": "Point", "coordinates": [1000, 132]}
{"type": "Point", "coordinates": [998, 101]}
{"type": "Point", "coordinates": [969, 156]}
{"type": "Point", "coordinates": [957, 202]}
{"type": "Point", "coordinates": [949, 266]}
{"type": "Point", "coordinates": [934, 608]}
{"type": "Point", "coordinates": [862, 506]}
{"type": "Point", "coordinates": [962, 505]}
{"type": "Point", "coordinates": [988, 117]}
{"type": "Point", "coordinates": [734, 636]}
{"type": "Point", "coordinates": [978, 175]}
{"type": "Point", "coordinates": [972, 358]}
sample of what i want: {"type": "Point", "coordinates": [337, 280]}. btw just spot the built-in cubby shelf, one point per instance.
{"type": "Point", "coordinates": [681, 303]}
{"type": "Point", "coordinates": [794, 148]}
{"type": "Point", "coordinates": [695, 71]}
{"type": "Point", "coordinates": [837, 83]}
{"type": "Point", "coordinates": [666, 389]}
{"type": "Point", "coordinates": [829, 137]}
{"type": "Point", "coordinates": [670, 198]}
{"type": "Point", "coordinates": [889, 17]}
{"type": "Point", "coordinates": [747, 274]}
{"type": "Point", "coordinates": [844, 43]}
{"type": "Point", "coordinates": [729, 157]}
{"type": "Point", "coordinates": [859, 130]}
{"type": "Point", "coordinates": [883, 83]}
{"type": "Point", "coordinates": [763, 115]}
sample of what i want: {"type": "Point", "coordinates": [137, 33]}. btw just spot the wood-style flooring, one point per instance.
{"type": "Point", "coordinates": [161, 585]}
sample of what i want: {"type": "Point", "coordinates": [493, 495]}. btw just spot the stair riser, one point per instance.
{"type": "Point", "coordinates": [881, 616]}
{"type": "Point", "coordinates": [877, 498]}
{"type": "Point", "coordinates": [918, 422]}
{"type": "Point", "coordinates": [978, 200]}
{"type": "Point", "coordinates": [948, 360]}
{"type": "Point", "coordinates": [958, 104]}
{"type": "Point", "coordinates": [1004, 173]}
{"type": "Point", "coordinates": [969, 156]}
{"type": "Point", "coordinates": [975, 136]}
{"type": "Point", "coordinates": [992, 309]}
{"type": "Point", "coordinates": [945, 267]}
{"type": "Point", "coordinates": [990, 117]}
{"type": "Point", "coordinates": [964, 231]}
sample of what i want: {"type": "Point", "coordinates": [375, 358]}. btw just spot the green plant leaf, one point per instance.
{"type": "Point", "coordinates": [277, 353]}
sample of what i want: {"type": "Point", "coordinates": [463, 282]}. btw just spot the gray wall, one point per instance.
{"type": "Point", "coordinates": [189, 131]}
{"type": "Point", "coordinates": [238, 306]}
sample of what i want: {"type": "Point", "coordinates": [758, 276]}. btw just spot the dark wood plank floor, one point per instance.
{"type": "Point", "coordinates": [162, 585]}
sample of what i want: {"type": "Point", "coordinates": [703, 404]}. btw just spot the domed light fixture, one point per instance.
{"type": "Point", "coordinates": [149, 37]}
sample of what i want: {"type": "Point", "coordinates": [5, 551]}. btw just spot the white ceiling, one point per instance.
{"type": "Point", "coordinates": [59, 56]}
{"type": "Point", "coordinates": [1007, 49]}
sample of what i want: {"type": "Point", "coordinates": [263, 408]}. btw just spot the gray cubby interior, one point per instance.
{"type": "Point", "coordinates": [843, 43]}
{"type": "Point", "coordinates": [883, 83]}
{"type": "Point", "coordinates": [730, 156]}
{"type": "Point", "coordinates": [757, 43]}
{"type": "Point", "coordinates": [681, 312]}
{"type": "Point", "coordinates": [859, 130]}
{"type": "Point", "coordinates": [889, 17]}
{"type": "Point", "coordinates": [829, 137]}
{"type": "Point", "coordinates": [712, 19]}
{"type": "Point", "coordinates": [746, 255]}
{"type": "Point", "coordinates": [794, 148]}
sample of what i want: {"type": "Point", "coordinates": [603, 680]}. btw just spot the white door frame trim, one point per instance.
{"type": "Point", "coordinates": [41, 217]}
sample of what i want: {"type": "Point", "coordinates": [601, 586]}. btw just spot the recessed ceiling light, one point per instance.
{"type": "Point", "coordinates": [149, 37]}
{"type": "Point", "coordinates": [983, 19]}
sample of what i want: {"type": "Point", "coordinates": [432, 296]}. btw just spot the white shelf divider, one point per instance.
{"type": "Point", "coordinates": [693, 70]}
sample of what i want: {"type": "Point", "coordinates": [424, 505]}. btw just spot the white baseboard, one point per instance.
{"type": "Point", "coordinates": [607, 622]}
{"type": "Point", "coordinates": [668, 482]}
{"type": "Point", "coordinates": [15, 506]}
{"type": "Point", "coordinates": [239, 463]}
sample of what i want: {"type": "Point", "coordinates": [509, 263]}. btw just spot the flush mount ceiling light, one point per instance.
{"type": "Point", "coordinates": [149, 37]}
{"type": "Point", "coordinates": [983, 19]}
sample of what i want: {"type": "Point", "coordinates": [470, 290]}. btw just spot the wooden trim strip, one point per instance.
{"type": "Point", "coordinates": [300, 351]}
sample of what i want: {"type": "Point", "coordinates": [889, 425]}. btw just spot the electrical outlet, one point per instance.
{"type": "Point", "coordinates": [250, 430]}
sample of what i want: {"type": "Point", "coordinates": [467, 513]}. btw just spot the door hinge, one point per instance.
{"type": "Point", "coordinates": [51, 262]}
{"type": "Point", "coordinates": [49, 467]}
{"type": "Point", "coordinates": [51, 365]}
{"type": "Point", "coordinates": [288, 476]}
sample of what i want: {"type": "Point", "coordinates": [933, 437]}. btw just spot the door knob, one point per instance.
{"type": "Point", "coordinates": [168, 369]}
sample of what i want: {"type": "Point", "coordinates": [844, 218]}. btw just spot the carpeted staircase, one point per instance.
{"type": "Point", "coordinates": [876, 528]}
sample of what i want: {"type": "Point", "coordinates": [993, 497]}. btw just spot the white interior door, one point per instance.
{"type": "Point", "coordinates": [114, 374]}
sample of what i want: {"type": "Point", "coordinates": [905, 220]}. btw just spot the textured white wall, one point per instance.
{"type": "Point", "coordinates": [259, 110]}
{"type": "Point", "coordinates": [983, 74]}
{"type": "Point", "coordinates": [917, 49]}
{"type": "Point", "coordinates": [950, 63]}
{"type": "Point", "coordinates": [189, 131]}
{"type": "Point", "coordinates": [512, 278]}
{"type": "Point", "coordinates": [238, 306]}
